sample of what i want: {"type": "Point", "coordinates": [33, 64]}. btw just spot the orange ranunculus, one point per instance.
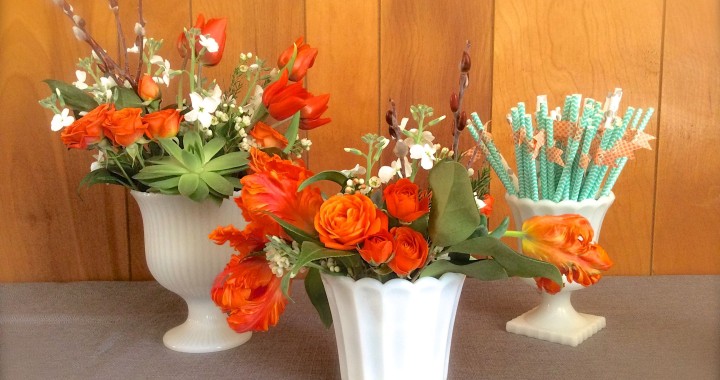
{"type": "Point", "coordinates": [411, 251]}
{"type": "Point", "coordinates": [489, 201]}
{"type": "Point", "coordinates": [250, 293]}
{"type": "Point", "coordinates": [345, 220]}
{"type": "Point", "coordinates": [124, 127]}
{"type": "Point", "coordinates": [566, 242]}
{"type": "Point", "coordinates": [215, 28]}
{"type": "Point", "coordinates": [147, 88]}
{"type": "Point", "coordinates": [249, 240]}
{"type": "Point", "coordinates": [283, 100]}
{"type": "Point", "coordinates": [405, 201]}
{"type": "Point", "coordinates": [88, 129]}
{"type": "Point", "coordinates": [304, 59]}
{"type": "Point", "coordinates": [310, 114]}
{"type": "Point", "coordinates": [162, 124]}
{"type": "Point", "coordinates": [267, 136]}
{"type": "Point", "coordinates": [377, 248]}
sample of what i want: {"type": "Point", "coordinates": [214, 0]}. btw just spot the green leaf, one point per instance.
{"type": "Point", "coordinates": [74, 98]}
{"type": "Point", "coordinates": [420, 224]}
{"type": "Point", "coordinates": [188, 184]}
{"type": "Point", "coordinates": [234, 160]}
{"type": "Point", "coordinates": [201, 192]}
{"type": "Point", "coordinates": [316, 292]}
{"type": "Point", "coordinates": [292, 132]}
{"type": "Point", "coordinates": [500, 230]}
{"type": "Point", "coordinates": [329, 175]}
{"type": "Point", "coordinates": [295, 233]}
{"type": "Point", "coordinates": [310, 251]}
{"type": "Point", "coordinates": [486, 270]}
{"type": "Point", "coordinates": [191, 161]}
{"type": "Point", "coordinates": [167, 184]}
{"type": "Point", "coordinates": [151, 172]}
{"type": "Point", "coordinates": [172, 148]}
{"type": "Point", "coordinates": [217, 183]}
{"type": "Point", "coordinates": [101, 175]}
{"type": "Point", "coordinates": [127, 98]}
{"type": "Point", "coordinates": [453, 214]}
{"type": "Point", "coordinates": [192, 143]}
{"type": "Point", "coordinates": [212, 148]}
{"type": "Point", "coordinates": [514, 263]}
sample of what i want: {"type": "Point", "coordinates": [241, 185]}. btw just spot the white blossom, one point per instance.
{"type": "Point", "coordinates": [209, 43]}
{"type": "Point", "coordinates": [354, 172]}
{"type": "Point", "coordinates": [202, 109]}
{"type": "Point", "coordinates": [134, 49]}
{"type": "Point", "coordinates": [425, 153]}
{"type": "Point", "coordinates": [81, 77]}
{"type": "Point", "coordinates": [386, 173]}
{"type": "Point", "coordinates": [61, 120]}
{"type": "Point", "coordinates": [480, 203]}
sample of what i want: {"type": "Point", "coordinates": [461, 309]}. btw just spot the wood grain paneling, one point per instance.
{"type": "Point", "coordinates": [687, 210]}
{"type": "Point", "coordinates": [347, 69]}
{"type": "Point", "coordinates": [421, 43]}
{"type": "Point", "coordinates": [49, 232]}
{"type": "Point", "coordinates": [588, 47]}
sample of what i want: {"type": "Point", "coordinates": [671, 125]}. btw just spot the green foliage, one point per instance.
{"type": "Point", "coordinates": [316, 292]}
{"type": "Point", "coordinates": [126, 98]}
{"type": "Point", "coordinates": [453, 213]}
{"type": "Point", "coordinates": [487, 270]}
{"type": "Point", "coordinates": [194, 170]}
{"type": "Point", "coordinates": [72, 96]}
{"type": "Point", "coordinates": [328, 175]}
{"type": "Point", "coordinates": [292, 132]}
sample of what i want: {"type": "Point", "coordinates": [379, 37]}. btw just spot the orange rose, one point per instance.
{"type": "Point", "coordinates": [405, 202]}
{"type": "Point", "coordinates": [411, 251]}
{"type": "Point", "coordinates": [345, 220]}
{"type": "Point", "coordinates": [566, 242]}
{"type": "Point", "coordinates": [88, 129]}
{"type": "Point", "coordinates": [267, 136]}
{"type": "Point", "coordinates": [249, 293]}
{"type": "Point", "coordinates": [147, 88]}
{"type": "Point", "coordinates": [124, 127]}
{"type": "Point", "coordinates": [162, 124]}
{"type": "Point", "coordinates": [377, 249]}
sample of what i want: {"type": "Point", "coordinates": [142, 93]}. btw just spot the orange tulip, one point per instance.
{"type": "Point", "coordinates": [411, 251]}
{"type": "Point", "coordinates": [267, 136]}
{"type": "Point", "coordinates": [162, 124]}
{"type": "Point", "coordinates": [215, 28]}
{"type": "Point", "coordinates": [377, 248]}
{"type": "Point", "coordinates": [405, 201]}
{"type": "Point", "coordinates": [304, 59]}
{"type": "Point", "coordinates": [124, 127]}
{"type": "Point", "coordinates": [88, 129]}
{"type": "Point", "coordinates": [249, 240]}
{"type": "Point", "coordinates": [345, 220]}
{"type": "Point", "coordinates": [249, 293]}
{"type": "Point", "coordinates": [566, 242]}
{"type": "Point", "coordinates": [147, 88]}
{"type": "Point", "coordinates": [310, 114]}
{"type": "Point", "coordinates": [282, 100]}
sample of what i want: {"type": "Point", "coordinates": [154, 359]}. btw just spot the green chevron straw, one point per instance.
{"type": "Point", "coordinates": [591, 127]}
{"type": "Point", "coordinates": [541, 120]}
{"type": "Point", "coordinates": [519, 157]}
{"type": "Point", "coordinates": [530, 167]}
{"type": "Point", "coordinates": [491, 153]}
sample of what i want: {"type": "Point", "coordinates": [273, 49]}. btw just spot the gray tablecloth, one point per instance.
{"type": "Point", "coordinates": [662, 327]}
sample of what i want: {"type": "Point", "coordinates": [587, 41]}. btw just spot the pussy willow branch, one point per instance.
{"type": "Point", "coordinates": [122, 47]}
{"type": "Point", "coordinates": [108, 66]}
{"type": "Point", "coordinates": [463, 83]}
{"type": "Point", "coordinates": [140, 40]}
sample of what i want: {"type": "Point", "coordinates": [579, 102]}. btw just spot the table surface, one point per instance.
{"type": "Point", "coordinates": [660, 327]}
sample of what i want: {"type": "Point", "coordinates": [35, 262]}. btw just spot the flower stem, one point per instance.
{"type": "Point", "coordinates": [251, 87]}
{"type": "Point", "coordinates": [514, 234]}
{"type": "Point", "coordinates": [130, 181]}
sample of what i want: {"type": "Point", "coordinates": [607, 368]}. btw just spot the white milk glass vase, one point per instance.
{"type": "Point", "coordinates": [395, 330]}
{"type": "Point", "coordinates": [555, 319]}
{"type": "Point", "coordinates": [184, 260]}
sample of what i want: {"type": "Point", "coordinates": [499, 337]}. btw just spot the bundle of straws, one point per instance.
{"type": "Point", "coordinates": [566, 154]}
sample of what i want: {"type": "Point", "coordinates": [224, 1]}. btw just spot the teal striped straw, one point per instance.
{"type": "Point", "coordinates": [519, 157]}
{"type": "Point", "coordinates": [491, 152]}
{"type": "Point", "coordinates": [530, 167]}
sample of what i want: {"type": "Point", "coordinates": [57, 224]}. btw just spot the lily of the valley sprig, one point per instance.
{"type": "Point", "coordinates": [196, 144]}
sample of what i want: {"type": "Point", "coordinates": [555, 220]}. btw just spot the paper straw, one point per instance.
{"type": "Point", "coordinates": [592, 123]}
{"type": "Point", "coordinates": [531, 168]}
{"type": "Point", "coordinates": [540, 117]}
{"type": "Point", "coordinates": [519, 157]}
{"type": "Point", "coordinates": [491, 153]}
{"type": "Point", "coordinates": [615, 172]}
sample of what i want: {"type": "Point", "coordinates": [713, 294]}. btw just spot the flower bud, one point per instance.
{"type": "Point", "coordinates": [454, 102]}
{"type": "Point", "coordinates": [463, 121]}
{"type": "Point", "coordinates": [389, 117]}
{"type": "Point", "coordinates": [147, 88]}
{"type": "Point", "coordinates": [465, 62]}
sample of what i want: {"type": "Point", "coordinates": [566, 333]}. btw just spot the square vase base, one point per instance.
{"type": "Point", "coordinates": [572, 337]}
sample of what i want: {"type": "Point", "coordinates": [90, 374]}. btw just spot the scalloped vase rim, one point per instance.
{"type": "Point", "coordinates": [604, 199]}
{"type": "Point", "coordinates": [397, 282]}
{"type": "Point", "coordinates": [137, 193]}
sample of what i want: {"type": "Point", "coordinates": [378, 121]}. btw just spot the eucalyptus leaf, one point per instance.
{"type": "Point", "coordinates": [295, 233]}
{"type": "Point", "coordinates": [73, 97]}
{"type": "Point", "coordinates": [310, 251]}
{"type": "Point", "coordinates": [514, 263]}
{"type": "Point", "coordinates": [485, 270]}
{"type": "Point", "coordinates": [328, 175]}
{"type": "Point", "coordinates": [316, 292]}
{"type": "Point", "coordinates": [101, 175]}
{"type": "Point", "coordinates": [127, 98]}
{"type": "Point", "coordinates": [453, 214]}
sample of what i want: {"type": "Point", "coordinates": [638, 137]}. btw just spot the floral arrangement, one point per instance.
{"type": "Point", "coordinates": [196, 148]}
{"type": "Point", "coordinates": [382, 224]}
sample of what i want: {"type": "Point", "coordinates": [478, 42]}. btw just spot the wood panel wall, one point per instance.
{"type": "Point", "coordinates": [663, 53]}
